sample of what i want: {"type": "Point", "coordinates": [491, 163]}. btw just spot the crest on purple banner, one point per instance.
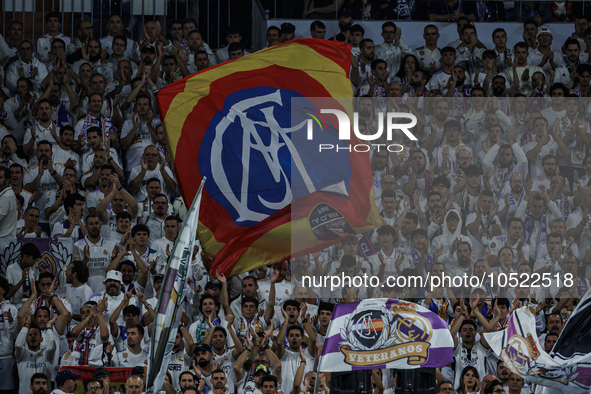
{"type": "Point", "coordinates": [56, 254]}
{"type": "Point", "coordinates": [568, 367]}
{"type": "Point", "coordinates": [383, 333]}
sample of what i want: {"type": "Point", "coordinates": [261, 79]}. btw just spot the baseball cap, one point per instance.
{"type": "Point", "coordinates": [544, 29]}
{"type": "Point", "coordinates": [100, 371]}
{"type": "Point", "coordinates": [288, 28]}
{"type": "Point", "coordinates": [138, 370]}
{"type": "Point", "coordinates": [261, 368]}
{"type": "Point", "coordinates": [114, 275]}
{"type": "Point", "coordinates": [64, 376]}
{"type": "Point", "coordinates": [213, 284]}
{"type": "Point", "coordinates": [203, 348]}
{"type": "Point", "coordinates": [347, 13]}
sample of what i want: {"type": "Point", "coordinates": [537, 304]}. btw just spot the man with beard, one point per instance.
{"type": "Point", "coordinates": [8, 155]}
{"type": "Point", "coordinates": [465, 263]}
{"type": "Point", "coordinates": [62, 152]}
{"type": "Point", "coordinates": [65, 382]}
{"type": "Point", "coordinates": [364, 60]}
{"type": "Point", "coordinates": [550, 167]}
{"type": "Point", "coordinates": [38, 384]}
{"type": "Point", "coordinates": [456, 86]}
{"type": "Point", "coordinates": [113, 295]}
{"type": "Point", "coordinates": [554, 325]}
{"type": "Point", "coordinates": [95, 251]}
{"type": "Point", "coordinates": [202, 363]}
{"type": "Point", "coordinates": [115, 29]}
{"type": "Point", "coordinates": [94, 118]}
{"type": "Point", "coordinates": [94, 55]}
{"type": "Point", "coordinates": [31, 358]}
{"type": "Point", "coordinates": [433, 133]}
{"type": "Point", "coordinates": [155, 220]}
{"type": "Point", "coordinates": [345, 17]}
{"type": "Point", "coordinates": [27, 66]}
{"type": "Point", "coordinates": [388, 182]}
{"type": "Point", "coordinates": [44, 130]}
{"type": "Point", "coordinates": [133, 355]}
{"type": "Point", "coordinates": [195, 43]}
{"type": "Point", "coordinates": [500, 172]}
{"type": "Point", "coordinates": [43, 178]}
{"type": "Point", "coordinates": [419, 82]}
{"type": "Point", "coordinates": [84, 33]}
{"type": "Point", "coordinates": [499, 85]}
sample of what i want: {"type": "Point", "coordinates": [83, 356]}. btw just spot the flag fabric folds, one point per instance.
{"type": "Point", "coordinates": [232, 124]}
{"type": "Point", "coordinates": [566, 369]}
{"type": "Point", "coordinates": [385, 333]}
{"type": "Point", "coordinates": [172, 292]}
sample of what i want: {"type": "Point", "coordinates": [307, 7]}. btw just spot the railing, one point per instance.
{"type": "Point", "coordinates": [213, 16]}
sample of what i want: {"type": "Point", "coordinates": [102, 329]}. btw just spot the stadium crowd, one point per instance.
{"type": "Point", "coordinates": [496, 183]}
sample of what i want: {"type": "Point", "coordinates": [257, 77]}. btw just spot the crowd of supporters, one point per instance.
{"type": "Point", "coordinates": [495, 183]}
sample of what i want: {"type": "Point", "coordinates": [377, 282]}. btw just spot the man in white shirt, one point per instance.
{"type": "Point", "coordinates": [521, 66]}
{"type": "Point", "coordinates": [133, 355]}
{"type": "Point", "coordinates": [543, 145]}
{"type": "Point", "coordinates": [53, 22]}
{"type": "Point", "coordinates": [28, 65]}
{"type": "Point", "coordinates": [31, 358]}
{"type": "Point", "coordinates": [113, 283]}
{"type": "Point", "coordinates": [151, 166]}
{"type": "Point", "coordinates": [95, 251]}
{"type": "Point", "coordinates": [544, 56]}
{"type": "Point", "coordinates": [77, 290]}
{"type": "Point", "coordinates": [429, 56]}
{"type": "Point", "coordinates": [8, 210]}
{"type": "Point", "coordinates": [115, 28]}
{"type": "Point", "coordinates": [66, 382]}
{"type": "Point", "coordinates": [393, 49]}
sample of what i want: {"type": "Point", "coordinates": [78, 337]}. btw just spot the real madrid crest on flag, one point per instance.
{"type": "Point", "coordinates": [384, 333]}
{"type": "Point", "coordinates": [232, 124]}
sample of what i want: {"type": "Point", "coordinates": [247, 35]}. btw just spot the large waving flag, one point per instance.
{"type": "Point", "coordinates": [383, 333]}
{"type": "Point", "coordinates": [171, 297]}
{"type": "Point", "coordinates": [567, 369]}
{"type": "Point", "coordinates": [233, 124]}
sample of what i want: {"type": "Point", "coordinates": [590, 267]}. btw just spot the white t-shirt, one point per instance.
{"type": "Point", "coordinates": [126, 359]}
{"type": "Point", "coordinates": [290, 362]}
{"type": "Point", "coordinates": [100, 257]}
{"type": "Point", "coordinates": [45, 186]}
{"type": "Point", "coordinates": [142, 194]}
